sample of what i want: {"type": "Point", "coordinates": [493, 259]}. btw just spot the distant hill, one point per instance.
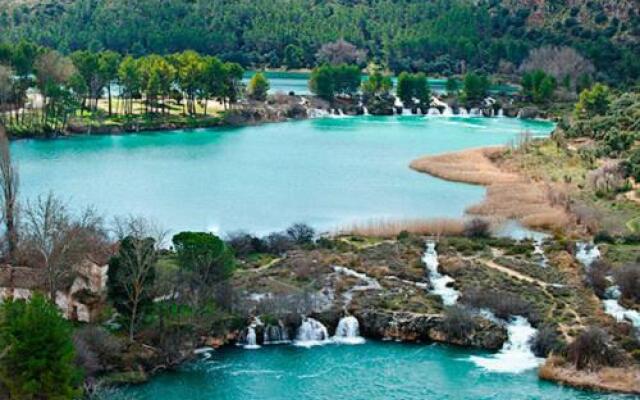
{"type": "Point", "coordinates": [438, 36]}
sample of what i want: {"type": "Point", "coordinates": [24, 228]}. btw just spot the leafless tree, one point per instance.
{"type": "Point", "coordinates": [9, 180]}
{"type": "Point", "coordinates": [560, 62]}
{"type": "Point", "coordinates": [6, 90]}
{"type": "Point", "coordinates": [57, 241]}
{"type": "Point", "coordinates": [341, 52]}
{"type": "Point", "coordinates": [139, 227]}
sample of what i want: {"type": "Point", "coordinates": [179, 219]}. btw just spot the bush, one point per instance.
{"type": "Point", "coordinates": [301, 234]}
{"type": "Point", "coordinates": [477, 228]}
{"type": "Point", "coordinates": [628, 280]}
{"type": "Point", "coordinates": [503, 304]}
{"type": "Point", "coordinates": [244, 244]}
{"type": "Point", "coordinates": [278, 243]}
{"type": "Point", "coordinates": [592, 349]}
{"type": "Point", "coordinates": [597, 277]}
{"type": "Point", "coordinates": [546, 341]}
{"type": "Point", "coordinates": [458, 323]}
{"type": "Point", "coordinates": [603, 237]}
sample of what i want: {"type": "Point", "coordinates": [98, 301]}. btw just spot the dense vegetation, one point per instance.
{"type": "Point", "coordinates": [436, 37]}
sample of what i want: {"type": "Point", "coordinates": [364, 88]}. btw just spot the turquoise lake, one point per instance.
{"type": "Point", "coordinates": [373, 371]}
{"type": "Point", "coordinates": [327, 172]}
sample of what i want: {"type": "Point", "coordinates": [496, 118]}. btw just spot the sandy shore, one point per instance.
{"type": "Point", "coordinates": [510, 194]}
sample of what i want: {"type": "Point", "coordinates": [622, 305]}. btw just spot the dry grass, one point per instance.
{"type": "Point", "coordinates": [626, 380]}
{"type": "Point", "coordinates": [509, 195]}
{"type": "Point", "coordinates": [386, 228]}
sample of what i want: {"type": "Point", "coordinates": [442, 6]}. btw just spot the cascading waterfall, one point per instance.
{"type": "Point", "coordinates": [500, 113]}
{"type": "Point", "coordinates": [275, 334]}
{"type": "Point", "coordinates": [516, 355]}
{"type": "Point", "coordinates": [406, 111]}
{"type": "Point", "coordinates": [365, 111]}
{"type": "Point", "coordinates": [463, 112]}
{"type": "Point", "coordinates": [475, 112]}
{"type": "Point", "coordinates": [250, 341]}
{"type": "Point", "coordinates": [440, 283]}
{"type": "Point", "coordinates": [433, 111]}
{"type": "Point", "coordinates": [587, 254]}
{"type": "Point", "coordinates": [348, 331]}
{"type": "Point", "coordinates": [447, 112]}
{"type": "Point", "coordinates": [538, 253]}
{"type": "Point", "coordinates": [311, 333]}
{"type": "Point", "coordinates": [340, 112]}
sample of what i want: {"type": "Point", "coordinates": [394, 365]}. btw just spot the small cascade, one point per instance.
{"type": "Point", "coordinates": [365, 282]}
{"type": "Point", "coordinates": [516, 355]}
{"type": "Point", "coordinates": [317, 113]}
{"type": "Point", "coordinates": [463, 112]}
{"type": "Point", "coordinates": [250, 341]}
{"type": "Point", "coordinates": [433, 111]}
{"type": "Point", "coordinates": [440, 283]}
{"type": "Point", "coordinates": [406, 111]}
{"type": "Point", "coordinates": [613, 307]}
{"type": "Point", "coordinates": [419, 111]}
{"type": "Point", "coordinates": [275, 334]}
{"type": "Point", "coordinates": [587, 253]}
{"type": "Point", "coordinates": [311, 333]}
{"type": "Point", "coordinates": [475, 112]}
{"type": "Point", "coordinates": [447, 112]}
{"type": "Point", "coordinates": [348, 331]}
{"type": "Point", "coordinates": [365, 111]}
{"type": "Point", "coordinates": [340, 112]}
{"type": "Point", "coordinates": [500, 113]}
{"type": "Point", "coordinates": [538, 253]}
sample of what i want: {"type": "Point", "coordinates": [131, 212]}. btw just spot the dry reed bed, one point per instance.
{"type": "Point", "coordinates": [625, 380]}
{"type": "Point", "coordinates": [510, 195]}
{"type": "Point", "coordinates": [386, 228]}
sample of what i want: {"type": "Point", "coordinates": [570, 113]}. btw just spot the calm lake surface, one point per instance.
{"type": "Point", "coordinates": [373, 371]}
{"type": "Point", "coordinates": [327, 172]}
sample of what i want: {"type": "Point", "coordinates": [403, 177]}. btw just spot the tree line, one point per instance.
{"type": "Point", "coordinates": [77, 82]}
{"type": "Point", "coordinates": [436, 37]}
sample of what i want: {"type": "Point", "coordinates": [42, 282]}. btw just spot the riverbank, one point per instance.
{"type": "Point", "coordinates": [510, 194]}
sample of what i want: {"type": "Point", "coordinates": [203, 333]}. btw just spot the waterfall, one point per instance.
{"type": "Point", "coordinates": [439, 282]}
{"type": "Point", "coordinates": [475, 112]}
{"type": "Point", "coordinates": [516, 355]}
{"type": "Point", "coordinates": [250, 342]}
{"type": "Point", "coordinates": [538, 253]}
{"type": "Point", "coordinates": [340, 112]}
{"type": "Point", "coordinates": [365, 111]}
{"type": "Point", "coordinates": [587, 253]}
{"type": "Point", "coordinates": [448, 112]}
{"type": "Point", "coordinates": [433, 111]}
{"type": "Point", "coordinates": [463, 112]}
{"type": "Point", "coordinates": [500, 113]}
{"type": "Point", "coordinates": [311, 333]}
{"type": "Point", "coordinates": [419, 111]}
{"type": "Point", "coordinates": [406, 111]}
{"type": "Point", "coordinates": [275, 334]}
{"type": "Point", "coordinates": [317, 113]}
{"type": "Point", "coordinates": [348, 331]}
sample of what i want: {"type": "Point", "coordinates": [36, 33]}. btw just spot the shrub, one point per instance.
{"type": "Point", "coordinates": [628, 280]}
{"type": "Point", "coordinates": [458, 323]}
{"type": "Point", "coordinates": [597, 277]}
{"type": "Point", "coordinates": [592, 349]}
{"type": "Point", "coordinates": [278, 243]}
{"type": "Point", "coordinates": [244, 244]}
{"type": "Point", "coordinates": [301, 233]}
{"type": "Point", "coordinates": [603, 237]}
{"type": "Point", "coordinates": [546, 341]}
{"type": "Point", "coordinates": [503, 304]}
{"type": "Point", "coordinates": [96, 349]}
{"type": "Point", "coordinates": [477, 228]}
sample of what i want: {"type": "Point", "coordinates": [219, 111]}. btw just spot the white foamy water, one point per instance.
{"type": "Point", "coordinates": [311, 333]}
{"type": "Point", "coordinates": [348, 331]}
{"type": "Point", "coordinates": [516, 355]}
{"type": "Point", "coordinates": [439, 281]}
{"type": "Point", "coordinates": [587, 253]}
{"type": "Point", "coordinates": [620, 313]}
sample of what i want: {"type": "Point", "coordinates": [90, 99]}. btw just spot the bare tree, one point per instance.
{"type": "Point", "coordinates": [57, 242]}
{"type": "Point", "coordinates": [6, 90]}
{"type": "Point", "coordinates": [132, 272]}
{"type": "Point", "coordinates": [9, 180]}
{"type": "Point", "coordinates": [341, 52]}
{"type": "Point", "coordinates": [561, 62]}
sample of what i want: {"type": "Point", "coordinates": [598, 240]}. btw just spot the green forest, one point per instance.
{"type": "Point", "coordinates": [439, 37]}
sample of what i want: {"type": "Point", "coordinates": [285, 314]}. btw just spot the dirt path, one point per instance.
{"type": "Point", "coordinates": [515, 274]}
